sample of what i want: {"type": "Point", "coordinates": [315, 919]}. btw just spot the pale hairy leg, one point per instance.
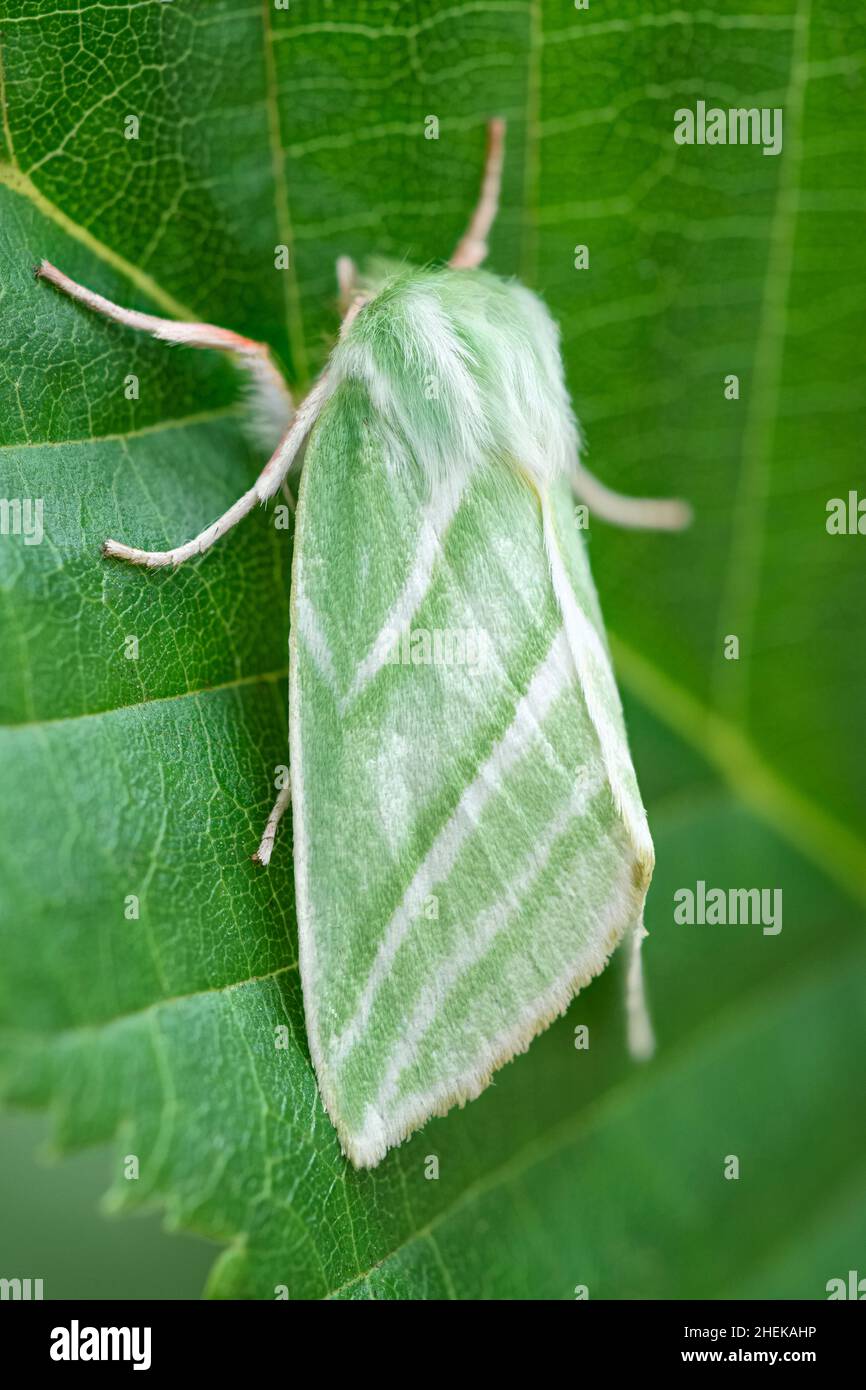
{"type": "Point", "coordinates": [284, 799]}
{"type": "Point", "coordinates": [347, 279]}
{"type": "Point", "coordinates": [635, 513]}
{"type": "Point", "coordinates": [256, 357]}
{"type": "Point", "coordinates": [273, 398]}
{"type": "Point", "coordinates": [271, 390]}
{"type": "Point", "coordinates": [641, 1041]}
{"type": "Point", "coordinates": [471, 249]}
{"type": "Point", "coordinates": [273, 395]}
{"type": "Point", "coordinates": [269, 482]}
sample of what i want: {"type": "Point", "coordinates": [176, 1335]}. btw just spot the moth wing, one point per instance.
{"type": "Point", "coordinates": [464, 861]}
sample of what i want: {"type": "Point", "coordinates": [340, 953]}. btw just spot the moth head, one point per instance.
{"type": "Point", "coordinates": [464, 367]}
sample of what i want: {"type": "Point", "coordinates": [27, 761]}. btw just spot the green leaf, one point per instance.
{"type": "Point", "coordinates": [261, 127]}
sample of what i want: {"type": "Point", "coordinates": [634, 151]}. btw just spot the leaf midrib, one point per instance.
{"type": "Point", "coordinates": [12, 178]}
{"type": "Point", "coordinates": [738, 592]}
{"type": "Point", "coordinates": [282, 210]}
{"type": "Point", "coordinates": [265, 677]}
{"type": "Point", "coordinates": [203, 417]}
{"type": "Point", "coordinates": [77, 1030]}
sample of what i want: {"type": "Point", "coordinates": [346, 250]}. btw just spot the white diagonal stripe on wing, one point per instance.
{"type": "Point", "coordinates": [435, 520]}
{"type": "Point", "coordinates": [595, 677]}
{"type": "Point", "coordinates": [551, 677]}
{"type": "Point", "coordinates": [314, 638]}
{"type": "Point", "coordinates": [482, 936]}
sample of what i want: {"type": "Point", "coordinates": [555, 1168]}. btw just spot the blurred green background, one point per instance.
{"type": "Point", "coordinates": [52, 1228]}
{"type": "Point", "coordinates": [305, 128]}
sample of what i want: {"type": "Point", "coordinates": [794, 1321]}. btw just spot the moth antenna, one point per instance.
{"type": "Point", "coordinates": [269, 482]}
{"type": "Point", "coordinates": [636, 513]}
{"type": "Point", "coordinates": [347, 280]}
{"type": "Point", "coordinates": [641, 1039]}
{"type": "Point", "coordinates": [472, 247]}
{"type": "Point", "coordinates": [272, 397]}
{"type": "Point", "coordinates": [263, 853]}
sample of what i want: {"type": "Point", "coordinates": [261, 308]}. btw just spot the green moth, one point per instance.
{"type": "Point", "coordinates": [469, 839]}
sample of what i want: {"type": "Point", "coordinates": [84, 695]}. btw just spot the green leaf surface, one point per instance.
{"type": "Point", "coordinates": [305, 127]}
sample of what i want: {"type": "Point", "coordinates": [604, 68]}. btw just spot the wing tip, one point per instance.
{"type": "Point", "coordinates": [367, 1146]}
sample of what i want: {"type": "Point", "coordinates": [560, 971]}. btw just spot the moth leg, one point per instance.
{"type": "Point", "coordinates": [269, 482]}
{"type": "Point", "coordinates": [641, 1040]}
{"type": "Point", "coordinates": [347, 280]}
{"type": "Point", "coordinates": [273, 396]}
{"type": "Point", "coordinates": [289, 496]}
{"type": "Point", "coordinates": [472, 247]}
{"type": "Point", "coordinates": [263, 853]}
{"type": "Point", "coordinates": [637, 513]}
